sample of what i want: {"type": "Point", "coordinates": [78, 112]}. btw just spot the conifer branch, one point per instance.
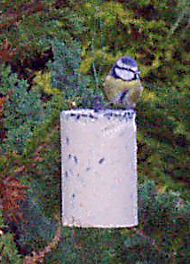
{"type": "Point", "coordinates": [39, 257]}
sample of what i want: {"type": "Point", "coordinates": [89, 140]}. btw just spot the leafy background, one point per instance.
{"type": "Point", "coordinates": [54, 55]}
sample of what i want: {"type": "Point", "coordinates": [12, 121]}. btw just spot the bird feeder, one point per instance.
{"type": "Point", "coordinates": [99, 168]}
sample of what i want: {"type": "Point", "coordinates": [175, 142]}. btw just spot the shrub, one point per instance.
{"type": "Point", "coordinates": [8, 249]}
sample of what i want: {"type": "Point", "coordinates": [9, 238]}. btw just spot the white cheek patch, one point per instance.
{"type": "Point", "coordinates": [135, 69]}
{"type": "Point", "coordinates": [124, 74]}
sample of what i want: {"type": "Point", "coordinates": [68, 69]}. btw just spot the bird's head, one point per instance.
{"type": "Point", "coordinates": [126, 69]}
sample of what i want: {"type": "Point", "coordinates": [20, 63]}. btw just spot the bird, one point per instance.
{"type": "Point", "coordinates": [122, 85]}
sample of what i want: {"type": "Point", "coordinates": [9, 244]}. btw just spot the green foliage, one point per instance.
{"type": "Point", "coordinates": [44, 166]}
{"type": "Point", "coordinates": [163, 230]}
{"type": "Point", "coordinates": [67, 77]}
{"type": "Point", "coordinates": [148, 31]}
{"type": "Point", "coordinates": [140, 29]}
{"type": "Point", "coordinates": [8, 249]}
{"type": "Point", "coordinates": [42, 83]}
{"type": "Point", "coordinates": [81, 41]}
{"type": "Point", "coordinates": [36, 226]}
{"type": "Point", "coordinates": [25, 25]}
{"type": "Point", "coordinates": [161, 236]}
{"type": "Point", "coordinates": [163, 123]}
{"type": "Point", "coordinates": [23, 110]}
{"type": "Point", "coordinates": [86, 246]}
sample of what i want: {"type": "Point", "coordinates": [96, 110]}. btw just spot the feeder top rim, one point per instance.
{"type": "Point", "coordinates": [97, 112]}
{"type": "Point", "coordinates": [91, 114]}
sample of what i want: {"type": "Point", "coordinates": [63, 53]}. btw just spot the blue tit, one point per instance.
{"type": "Point", "coordinates": [122, 85]}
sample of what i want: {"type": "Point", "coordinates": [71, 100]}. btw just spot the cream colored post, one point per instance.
{"type": "Point", "coordinates": [99, 168]}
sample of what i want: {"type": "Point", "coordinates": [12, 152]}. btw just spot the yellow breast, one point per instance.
{"type": "Point", "coordinates": [114, 87]}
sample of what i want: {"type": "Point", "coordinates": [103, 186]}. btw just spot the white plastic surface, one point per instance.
{"type": "Point", "coordinates": [99, 168]}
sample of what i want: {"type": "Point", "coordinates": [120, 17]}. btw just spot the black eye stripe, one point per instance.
{"type": "Point", "coordinates": [116, 76]}
{"type": "Point", "coordinates": [128, 69]}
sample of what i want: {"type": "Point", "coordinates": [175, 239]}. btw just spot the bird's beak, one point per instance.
{"type": "Point", "coordinates": [137, 73]}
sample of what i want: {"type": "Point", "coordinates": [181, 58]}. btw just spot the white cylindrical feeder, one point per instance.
{"type": "Point", "coordinates": [99, 168]}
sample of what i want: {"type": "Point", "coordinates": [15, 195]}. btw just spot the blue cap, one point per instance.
{"type": "Point", "coordinates": [129, 61]}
